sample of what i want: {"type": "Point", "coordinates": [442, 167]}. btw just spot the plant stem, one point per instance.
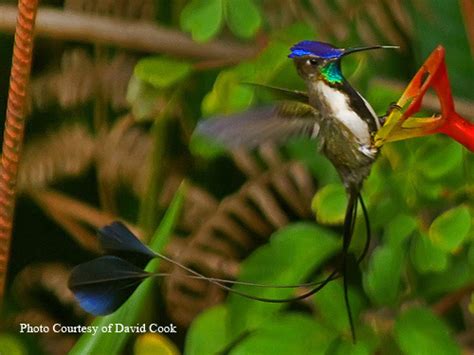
{"type": "Point", "coordinates": [14, 127]}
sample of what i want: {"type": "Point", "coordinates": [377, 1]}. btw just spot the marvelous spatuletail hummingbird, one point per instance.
{"type": "Point", "coordinates": [331, 111]}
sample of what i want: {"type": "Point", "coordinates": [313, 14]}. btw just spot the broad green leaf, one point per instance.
{"type": "Point", "coordinates": [203, 18]}
{"type": "Point", "coordinates": [206, 147]}
{"type": "Point", "coordinates": [290, 256]}
{"type": "Point", "coordinates": [161, 72]}
{"type": "Point", "coordinates": [143, 98]}
{"type": "Point", "coordinates": [243, 17]}
{"type": "Point", "coordinates": [209, 325]}
{"type": "Point", "coordinates": [287, 334]}
{"type": "Point", "coordinates": [470, 254]}
{"type": "Point", "coordinates": [444, 26]}
{"type": "Point", "coordinates": [457, 274]}
{"type": "Point", "coordinates": [382, 281]}
{"type": "Point", "coordinates": [399, 229]}
{"type": "Point", "coordinates": [438, 157]}
{"type": "Point", "coordinates": [153, 344]}
{"type": "Point", "coordinates": [450, 229]}
{"type": "Point", "coordinates": [306, 151]}
{"type": "Point", "coordinates": [12, 345]}
{"type": "Point", "coordinates": [419, 332]}
{"type": "Point", "coordinates": [361, 347]}
{"type": "Point", "coordinates": [228, 95]}
{"type": "Point", "coordinates": [271, 61]}
{"type": "Point", "coordinates": [329, 204]}
{"type": "Point", "coordinates": [426, 256]}
{"type": "Point", "coordinates": [330, 306]}
{"type": "Point", "coordinates": [129, 313]}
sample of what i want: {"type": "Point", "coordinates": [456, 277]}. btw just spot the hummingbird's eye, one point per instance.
{"type": "Point", "coordinates": [312, 61]}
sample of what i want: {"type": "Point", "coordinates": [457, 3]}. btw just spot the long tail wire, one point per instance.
{"type": "Point", "coordinates": [320, 284]}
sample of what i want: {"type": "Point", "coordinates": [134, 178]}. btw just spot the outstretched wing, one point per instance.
{"type": "Point", "coordinates": [281, 93]}
{"type": "Point", "coordinates": [272, 123]}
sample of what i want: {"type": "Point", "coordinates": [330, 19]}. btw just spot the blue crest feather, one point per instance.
{"type": "Point", "coordinates": [317, 49]}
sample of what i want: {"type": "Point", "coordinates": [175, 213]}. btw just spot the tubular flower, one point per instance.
{"type": "Point", "coordinates": [401, 124]}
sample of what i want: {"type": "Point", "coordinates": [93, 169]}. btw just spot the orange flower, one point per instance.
{"type": "Point", "coordinates": [401, 124]}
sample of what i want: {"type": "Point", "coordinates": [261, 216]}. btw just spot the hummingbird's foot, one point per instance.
{"type": "Point", "coordinates": [392, 107]}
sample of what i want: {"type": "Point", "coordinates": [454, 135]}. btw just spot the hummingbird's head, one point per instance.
{"type": "Point", "coordinates": [322, 61]}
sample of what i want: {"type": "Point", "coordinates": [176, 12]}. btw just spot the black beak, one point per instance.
{"type": "Point", "coordinates": [360, 49]}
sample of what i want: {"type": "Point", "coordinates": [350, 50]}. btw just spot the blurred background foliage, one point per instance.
{"type": "Point", "coordinates": [109, 136]}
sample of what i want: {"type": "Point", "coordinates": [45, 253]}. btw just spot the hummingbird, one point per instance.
{"type": "Point", "coordinates": [332, 111]}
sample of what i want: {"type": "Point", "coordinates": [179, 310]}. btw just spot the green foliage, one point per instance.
{"type": "Point", "coordinates": [287, 260]}
{"type": "Point", "coordinates": [289, 333]}
{"type": "Point", "coordinates": [243, 17]}
{"type": "Point", "coordinates": [418, 331]}
{"type": "Point", "coordinates": [419, 194]}
{"type": "Point", "coordinates": [399, 228]}
{"type": "Point", "coordinates": [426, 256]}
{"type": "Point", "coordinates": [152, 344]}
{"type": "Point", "coordinates": [451, 228]}
{"type": "Point", "coordinates": [161, 72]}
{"type": "Point", "coordinates": [211, 324]}
{"type": "Point", "coordinates": [429, 165]}
{"type": "Point", "coordinates": [328, 303]}
{"type": "Point", "coordinates": [383, 277]}
{"type": "Point", "coordinates": [204, 18]}
{"type": "Point", "coordinates": [10, 344]}
{"type": "Point", "coordinates": [329, 204]}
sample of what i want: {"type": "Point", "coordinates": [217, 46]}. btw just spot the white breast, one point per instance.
{"type": "Point", "coordinates": [339, 106]}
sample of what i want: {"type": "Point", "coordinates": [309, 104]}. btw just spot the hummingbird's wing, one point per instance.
{"type": "Point", "coordinates": [281, 93]}
{"type": "Point", "coordinates": [272, 123]}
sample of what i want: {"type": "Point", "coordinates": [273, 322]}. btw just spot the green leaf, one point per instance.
{"type": "Point", "coordinates": [152, 344]}
{"type": "Point", "coordinates": [330, 306]}
{"type": "Point", "coordinates": [399, 229]}
{"type": "Point", "coordinates": [143, 98]}
{"type": "Point", "coordinates": [203, 18]}
{"type": "Point", "coordinates": [450, 229]}
{"type": "Point", "coordinates": [243, 17]}
{"type": "Point", "coordinates": [12, 345]}
{"type": "Point", "coordinates": [329, 204]}
{"type": "Point", "coordinates": [271, 61]}
{"type": "Point", "coordinates": [161, 72]}
{"type": "Point", "coordinates": [305, 150]}
{"type": "Point", "coordinates": [426, 256]}
{"type": "Point", "coordinates": [419, 332]}
{"type": "Point", "coordinates": [227, 95]}
{"type": "Point", "coordinates": [438, 157]}
{"type": "Point", "coordinates": [128, 314]}
{"type": "Point", "coordinates": [445, 27]}
{"type": "Point", "coordinates": [290, 256]}
{"type": "Point", "coordinates": [286, 334]}
{"type": "Point", "coordinates": [361, 347]}
{"type": "Point", "coordinates": [383, 278]}
{"type": "Point", "coordinates": [457, 274]}
{"type": "Point", "coordinates": [211, 324]}
{"type": "Point", "coordinates": [206, 147]}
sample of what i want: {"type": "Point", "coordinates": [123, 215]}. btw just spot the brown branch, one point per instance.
{"type": "Point", "coordinates": [451, 299]}
{"type": "Point", "coordinates": [14, 127]}
{"type": "Point", "coordinates": [73, 208]}
{"type": "Point", "coordinates": [135, 35]}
